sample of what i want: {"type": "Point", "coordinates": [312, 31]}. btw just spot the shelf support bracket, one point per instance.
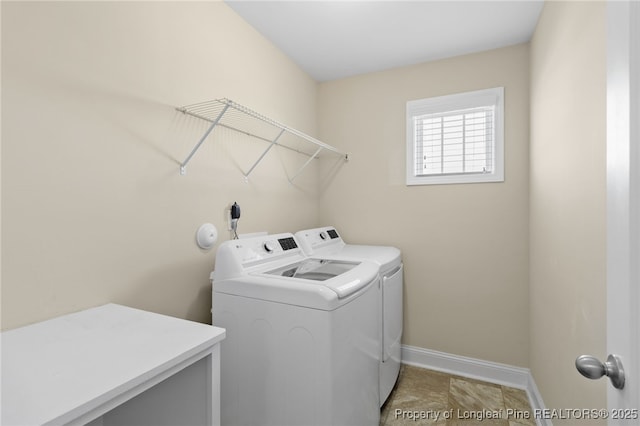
{"type": "Point", "coordinates": [273, 142]}
{"type": "Point", "coordinates": [183, 166]}
{"type": "Point", "coordinates": [304, 166]}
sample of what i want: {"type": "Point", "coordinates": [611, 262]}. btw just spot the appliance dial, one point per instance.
{"type": "Point", "coordinates": [324, 235]}
{"type": "Point", "coordinates": [269, 246]}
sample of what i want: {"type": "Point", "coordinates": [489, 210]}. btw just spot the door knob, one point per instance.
{"type": "Point", "coordinates": [591, 368]}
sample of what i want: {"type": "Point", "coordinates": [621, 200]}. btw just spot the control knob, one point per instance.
{"type": "Point", "coordinates": [324, 235]}
{"type": "Point", "coordinates": [269, 246]}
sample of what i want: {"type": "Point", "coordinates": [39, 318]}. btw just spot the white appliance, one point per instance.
{"type": "Point", "coordinates": [302, 338]}
{"type": "Point", "coordinates": [327, 243]}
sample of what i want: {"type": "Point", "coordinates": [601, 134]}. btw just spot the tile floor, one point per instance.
{"type": "Point", "coordinates": [427, 397]}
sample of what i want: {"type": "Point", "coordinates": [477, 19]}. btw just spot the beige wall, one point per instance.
{"type": "Point", "coordinates": [568, 229]}
{"type": "Point", "coordinates": [94, 210]}
{"type": "Point", "coordinates": [93, 207]}
{"type": "Point", "coordinates": [465, 247]}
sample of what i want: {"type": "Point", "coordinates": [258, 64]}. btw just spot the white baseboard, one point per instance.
{"type": "Point", "coordinates": [492, 372]}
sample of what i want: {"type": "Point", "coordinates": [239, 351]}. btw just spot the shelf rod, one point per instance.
{"type": "Point", "coordinates": [226, 126]}
{"type": "Point", "coordinates": [244, 132]}
{"type": "Point", "coordinates": [183, 166]}
{"type": "Point", "coordinates": [314, 141]}
{"type": "Point", "coordinates": [207, 110]}
{"type": "Point", "coordinates": [271, 144]}
{"type": "Point", "coordinates": [288, 129]}
{"type": "Point", "coordinates": [306, 164]}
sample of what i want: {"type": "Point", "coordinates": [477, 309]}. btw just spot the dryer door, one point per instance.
{"type": "Point", "coordinates": [392, 314]}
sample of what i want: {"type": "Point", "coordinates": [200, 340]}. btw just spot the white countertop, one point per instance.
{"type": "Point", "coordinates": [60, 369]}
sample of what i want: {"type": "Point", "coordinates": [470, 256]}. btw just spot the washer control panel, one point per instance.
{"type": "Point", "coordinates": [269, 246]}
{"type": "Point", "coordinates": [241, 255]}
{"type": "Point", "coordinates": [263, 248]}
{"type": "Point", "coordinates": [288, 243]}
{"type": "Point", "coordinates": [283, 244]}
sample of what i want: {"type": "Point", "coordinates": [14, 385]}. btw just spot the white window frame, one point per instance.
{"type": "Point", "coordinates": [459, 101]}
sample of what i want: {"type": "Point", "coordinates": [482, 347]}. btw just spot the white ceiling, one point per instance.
{"type": "Point", "coordinates": [336, 39]}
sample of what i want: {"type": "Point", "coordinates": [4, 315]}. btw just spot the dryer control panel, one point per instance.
{"type": "Point", "coordinates": [313, 239]}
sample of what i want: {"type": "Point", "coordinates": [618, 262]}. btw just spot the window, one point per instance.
{"type": "Point", "coordinates": [456, 138]}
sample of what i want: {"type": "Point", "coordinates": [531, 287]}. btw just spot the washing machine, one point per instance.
{"type": "Point", "coordinates": [302, 339]}
{"type": "Point", "coordinates": [326, 242]}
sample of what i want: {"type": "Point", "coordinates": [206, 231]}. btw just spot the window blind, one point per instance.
{"type": "Point", "coordinates": [455, 142]}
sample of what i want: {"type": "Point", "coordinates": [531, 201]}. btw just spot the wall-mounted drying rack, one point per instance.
{"type": "Point", "coordinates": [231, 115]}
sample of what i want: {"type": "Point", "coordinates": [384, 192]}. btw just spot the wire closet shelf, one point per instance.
{"type": "Point", "coordinates": [231, 115]}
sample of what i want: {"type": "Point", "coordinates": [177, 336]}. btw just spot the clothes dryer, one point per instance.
{"type": "Point", "coordinates": [302, 339]}
{"type": "Point", "coordinates": [327, 243]}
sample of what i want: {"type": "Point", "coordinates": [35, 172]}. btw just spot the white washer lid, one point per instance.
{"type": "Point", "coordinates": [326, 295]}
